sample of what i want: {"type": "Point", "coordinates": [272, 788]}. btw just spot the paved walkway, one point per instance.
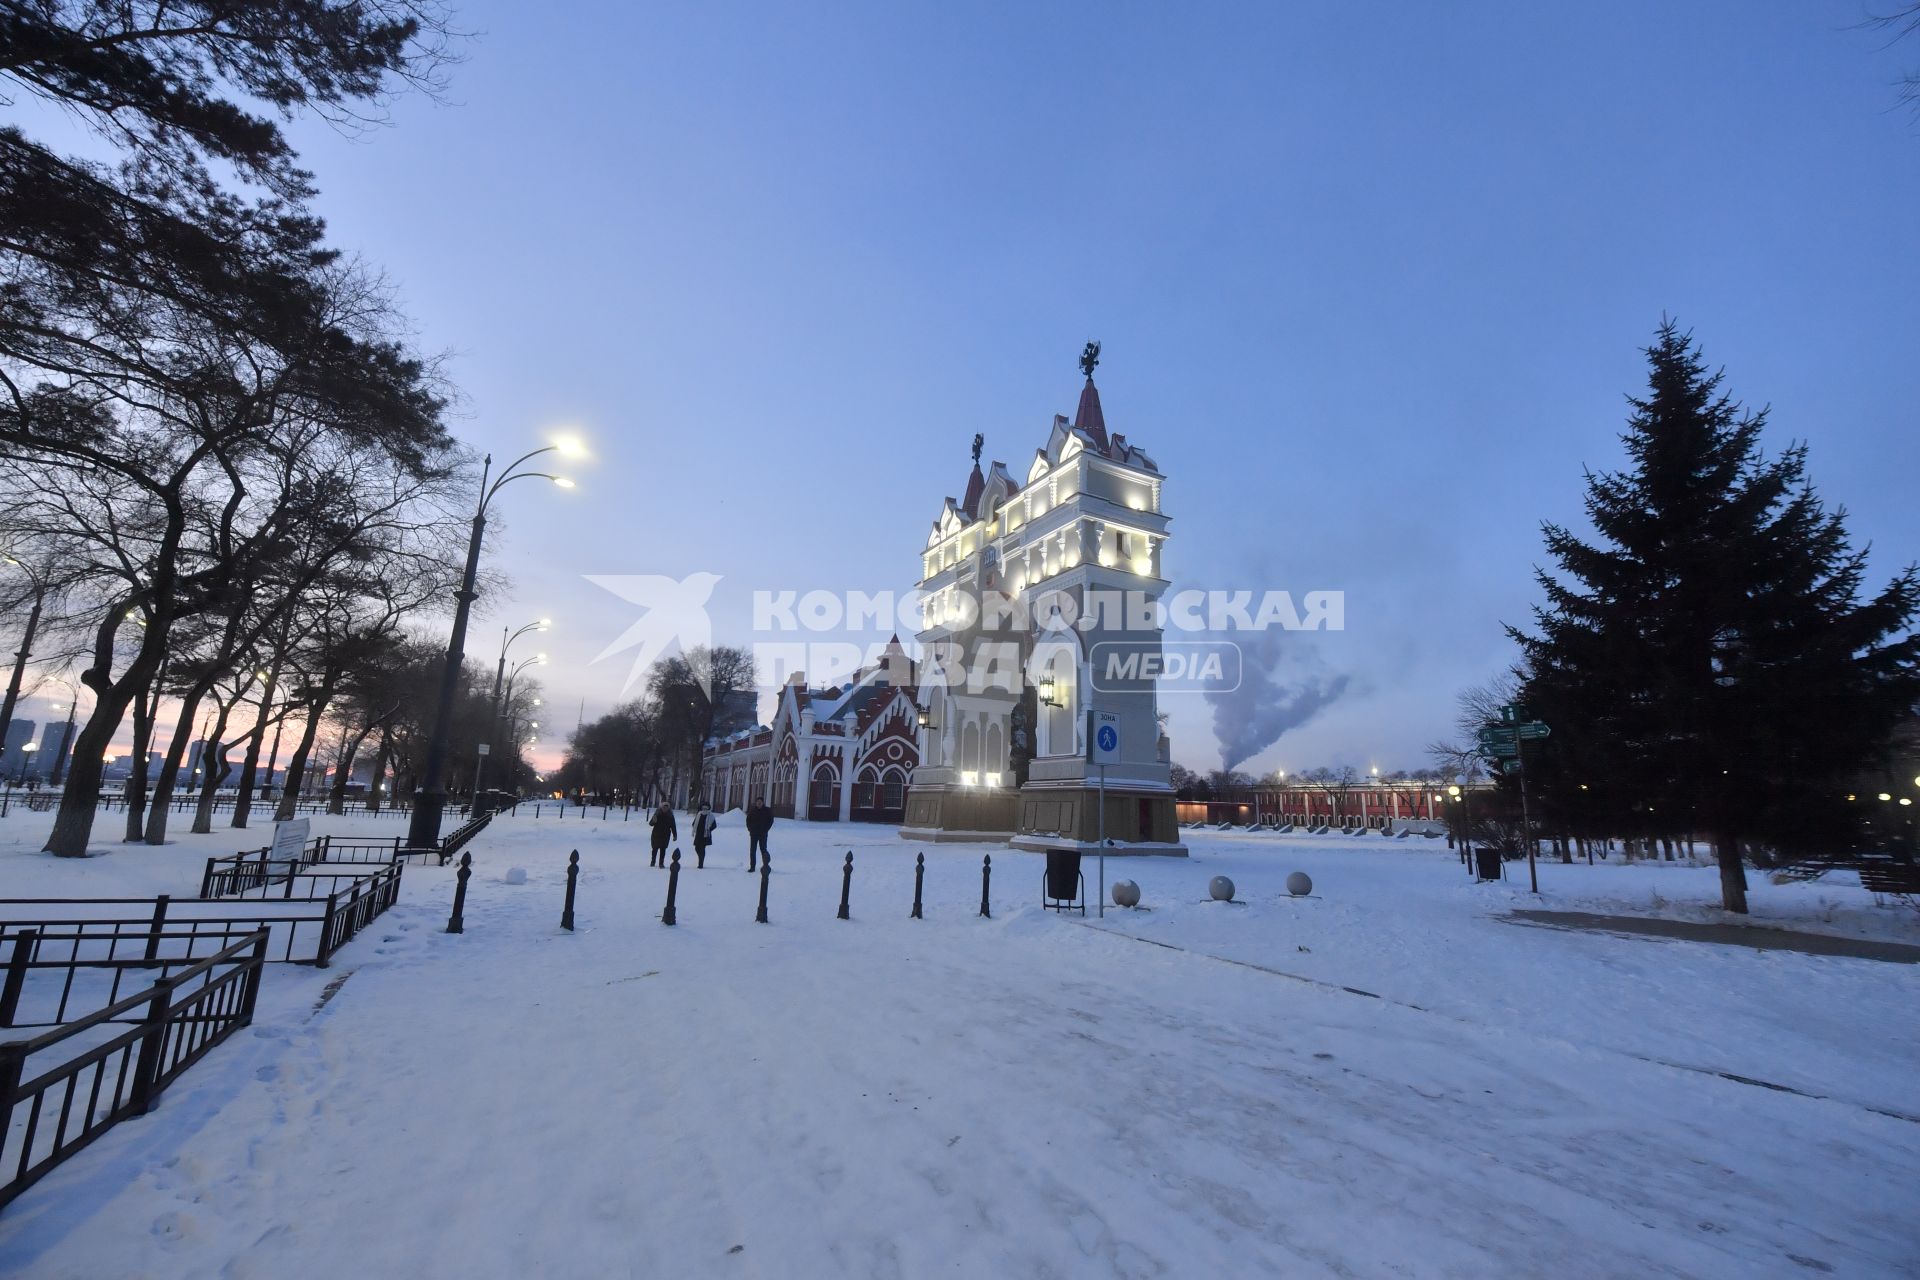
{"type": "Point", "coordinates": [1757, 937]}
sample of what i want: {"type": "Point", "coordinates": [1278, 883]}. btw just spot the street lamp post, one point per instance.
{"type": "Point", "coordinates": [507, 637]}
{"type": "Point", "coordinates": [505, 700]}
{"type": "Point", "coordinates": [66, 738]}
{"type": "Point", "coordinates": [25, 650]}
{"type": "Point", "coordinates": [26, 760]}
{"type": "Point", "coordinates": [1459, 826]}
{"type": "Point", "coordinates": [423, 829]}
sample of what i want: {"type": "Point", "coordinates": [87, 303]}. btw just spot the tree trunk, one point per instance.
{"type": "Point", "coordinates": [145, 710]}
{"type": "Point", "coordinates": [209, 789]}
{"type": "Point", "coordinates": [349, 750]}
{"type": "Point", "coordinates": [297, 764]}
{"type": "Point", "coordinates": [379, 777]}
{"type": "Point", "coordinates": [249, 770]}
{"type": "Point", "coordinates": [73, 825]}
{"type": "Point", "coordinates": [215, 755]}
{"type": "Point", "coordinates": [156, 826]}
{"type": "Point", "coordinates": [1733, 873]}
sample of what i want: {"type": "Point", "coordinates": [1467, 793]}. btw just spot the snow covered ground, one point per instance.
{"type": "Point", "coordinates": [1021, 1096]}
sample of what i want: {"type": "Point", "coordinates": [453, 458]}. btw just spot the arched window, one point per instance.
{"type": "Point", "coordinates": [863, 789]}
{"type": "Point", "coordinates": [893, 790]}
{"type": "Point", "coordinates": [970, 746]}
{"type": "Point", "coordinates": [825, 792]}
{"type": "Point", "coordinates": [1060, 660]}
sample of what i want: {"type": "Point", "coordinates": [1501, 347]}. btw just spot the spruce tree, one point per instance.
{"type": "Point", "coordinates": [1707, 662]}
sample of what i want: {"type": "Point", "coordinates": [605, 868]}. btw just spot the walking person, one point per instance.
{"type": "Point", "coordinates": [759, 822]}
{"type": "Point", "coordinates": [703, 827]}
{"type": "Point", "coordinates": [664, 831]}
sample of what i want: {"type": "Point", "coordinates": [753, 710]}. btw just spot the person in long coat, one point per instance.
{"type": "Point", "coordinates": [703, 828]}
{"type": "Point", "coordinates": [664, 831]}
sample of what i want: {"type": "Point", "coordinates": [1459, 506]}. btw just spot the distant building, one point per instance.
{"type": "Point", "coordinates": [196, 754]}
{"type": "Point", "coordinates": [55, 739]}
{"type": "Point", "coordinates": [843, 753]}
{"type": "Point", "coordinates": [19, 734]}
{"type": "Point", "coordinates": [1364, 803]}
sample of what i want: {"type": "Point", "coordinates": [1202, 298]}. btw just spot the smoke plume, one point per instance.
{"type": "Point", "coordinates": [1278, 691]}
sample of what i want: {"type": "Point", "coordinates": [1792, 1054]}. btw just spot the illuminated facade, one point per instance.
{"type": "Point", "coordinates": [1027, 581]}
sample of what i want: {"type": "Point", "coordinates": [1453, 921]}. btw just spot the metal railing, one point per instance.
{"type": "Point", "coordinates": [46, 974]}
{"type": "Point", "coordinates": [63, 1088]}
{"type": "Point", "coordinates": [236, 874]}
{"type": "Point", "coordinates": [442, 853]}
{"type": "Point", "coordinates": [303, 930]}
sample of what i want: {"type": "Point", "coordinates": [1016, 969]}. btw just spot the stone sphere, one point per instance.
{"type": "Point", "coordinates": [1125, 893]}
{"type": "Point", "coordinates": [1221, 888]}
{"type": "Point", "coordinates": [516, 875]}
{"type": "Point", "coordinates": [1299, 884]}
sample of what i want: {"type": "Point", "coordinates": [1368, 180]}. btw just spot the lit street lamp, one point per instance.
{"type": "Point", "coordinates": [423, 829]}
{"type": "Point", "coordinates": [26, 760]}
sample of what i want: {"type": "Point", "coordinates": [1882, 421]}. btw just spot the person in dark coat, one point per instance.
{"type": "Point", "coordinates": [664, 831]}
{"type": "Point", "coordinates": [703, 826]}
{"type": "Point", "coordinates": [759, 822]}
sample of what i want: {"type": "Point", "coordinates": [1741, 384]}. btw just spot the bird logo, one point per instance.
{"type": "Point", "coordinates": [675, 614]}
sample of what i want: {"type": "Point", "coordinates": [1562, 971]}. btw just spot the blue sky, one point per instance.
{"type": "Point", "coordinates": [1371, 280]}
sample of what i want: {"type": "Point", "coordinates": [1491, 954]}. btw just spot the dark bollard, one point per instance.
{"type": "Point", "coordinates": [456, 923]}
{"type": "Point", "coordinates": [673, 887]}
{"type": "Point", "coordinates": [986, 879]}
{"type": "Point", "coordinates": [919, 875]}
{"type": "Point", "coordinates": [573, 876]}
{"type": "Point", "coordinates": [766, 868]}
{"type": "Point", "coordinates": [846, 886]}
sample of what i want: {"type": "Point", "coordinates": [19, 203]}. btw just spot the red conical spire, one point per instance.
{"type": "Point", "coordinates": [976, 486]}
{"type": "Point", "coordinates": [1088, 417]}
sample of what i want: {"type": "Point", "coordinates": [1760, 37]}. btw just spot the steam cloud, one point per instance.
{"type": "Point", "coordinates": [1251, 718]}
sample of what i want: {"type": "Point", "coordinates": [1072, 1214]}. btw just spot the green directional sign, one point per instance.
{"type": "Point", "coordinates": [1513, 712]}
{"type": "Point", "coordinates": [1533, 729]}
{"type": "Point", "coordinates": [1490, 736]}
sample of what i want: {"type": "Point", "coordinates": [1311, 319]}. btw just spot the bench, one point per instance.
{"type": "Point", "coordinates": [1891, 879]}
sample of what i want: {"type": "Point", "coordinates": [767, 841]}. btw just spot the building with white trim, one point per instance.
{"type": "Point", "coordinates": [844, 753]}
{"type": "Point", "coordinates": [1019, 578]}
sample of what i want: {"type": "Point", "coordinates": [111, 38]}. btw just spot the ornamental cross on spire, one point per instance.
{"type": "Point", "coordinates": [979, 442]}
{"type": "Point", "coordinates": [1089, 358]}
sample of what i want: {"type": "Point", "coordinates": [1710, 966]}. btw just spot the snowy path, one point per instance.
{"type": "Point", "coordinates": [953, 1096]}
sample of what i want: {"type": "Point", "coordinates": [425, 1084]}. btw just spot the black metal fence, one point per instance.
{"type": "Point", "coordinates": [63, 1088]}
{"type": "Point", "coordinates": [242, 874]}
{"type": "Point", "coordinates": [461, 836]}
{"type": "Point", "coordinates": [302, 930]}
{"type": "Point", "coordinates": [188, 802]}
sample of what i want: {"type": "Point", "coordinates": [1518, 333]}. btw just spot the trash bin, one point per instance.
{"type": "Point", "coordinates": [1063, 874]}
{"type": "Point", "coordinates": [1488, 862]}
